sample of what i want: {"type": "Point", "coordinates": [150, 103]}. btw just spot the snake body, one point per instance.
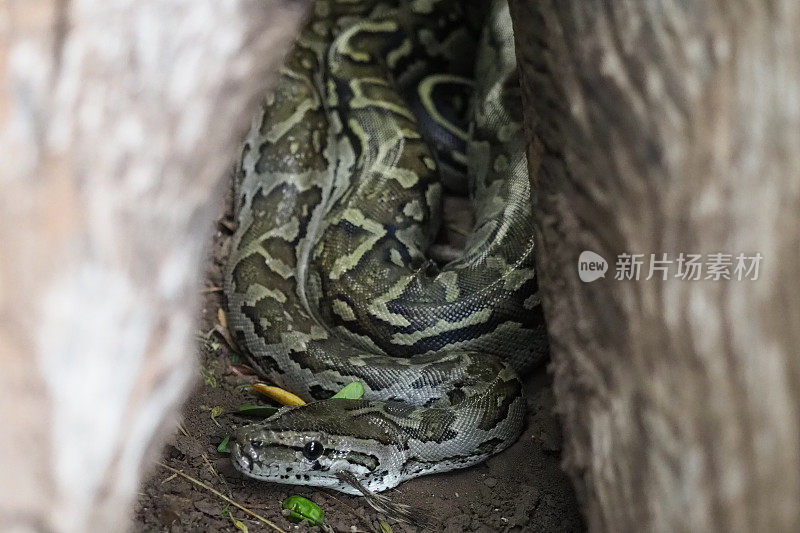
{"type": "Point", "coordinates": [338, 197]}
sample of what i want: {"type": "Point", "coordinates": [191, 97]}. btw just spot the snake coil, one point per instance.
{"type": "Point", "coordinates": [338, 198]}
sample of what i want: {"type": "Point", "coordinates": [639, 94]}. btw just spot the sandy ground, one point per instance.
{"type": "Point", "coordinates": [521, 489]}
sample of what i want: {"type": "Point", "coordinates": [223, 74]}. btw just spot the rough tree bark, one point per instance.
{"type": "Point", "coordinates": [660, 126]}
{"type": "Point", "coordinates": [118, 119]}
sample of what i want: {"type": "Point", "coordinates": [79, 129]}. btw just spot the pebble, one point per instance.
{"type": "Point", "coordinates": [490, 482]}
{"type": "Point", "coordinates": [209, 507]}
{"type": "Point", "coordinates": [174, 453]}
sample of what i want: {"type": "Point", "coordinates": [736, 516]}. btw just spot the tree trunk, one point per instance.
{"type": "Point", "coordinates": [668, 127]}
{"type": "Point", "coordinates": [117, 120]}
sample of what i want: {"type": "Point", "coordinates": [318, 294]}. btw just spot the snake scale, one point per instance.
{"type": "Point", "coordinates": [338, 196]}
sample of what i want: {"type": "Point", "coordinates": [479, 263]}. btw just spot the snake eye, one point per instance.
{"type": "Point", "coordinates": [312, 450]}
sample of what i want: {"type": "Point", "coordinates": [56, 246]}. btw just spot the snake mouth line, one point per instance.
{"type": "Point", "coordinates": [245, 464]}
{"type": "Point", "coordinates": [241, 462]}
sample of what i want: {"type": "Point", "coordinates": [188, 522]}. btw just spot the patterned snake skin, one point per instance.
{"type": "Point", "coordinates": [338, 198]}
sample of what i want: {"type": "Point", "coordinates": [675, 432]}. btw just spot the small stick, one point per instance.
{"type": "Point", "coordinates": [227, 224]}
{"type": "Point", "coordinates": [456, 229]}
{"type": "Point", "coordinates": [223, 497]}
{"type": "Point", "coordinates": [211, 467]}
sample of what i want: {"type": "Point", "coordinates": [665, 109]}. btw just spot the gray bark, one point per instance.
{"type": "Point", "coordinates": [655, 127]}
{"type": "Point", "coordinates": [118, 119]}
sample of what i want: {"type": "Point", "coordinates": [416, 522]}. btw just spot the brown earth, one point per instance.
{"type": "Point", "coordinates": [521, 489]}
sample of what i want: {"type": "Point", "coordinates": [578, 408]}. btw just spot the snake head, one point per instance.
{"type": "Point", "coordinates": [306, 458]}
{"type": "Point", "coordinates": [320, 444]}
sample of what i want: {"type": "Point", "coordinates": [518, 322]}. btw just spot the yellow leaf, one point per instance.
{"type": "Point", "coordinates": [239, 525]}
{"type": "Point", "coordinates": [281, 396]}
{"type": "Point", "coordinates": [215, 412]}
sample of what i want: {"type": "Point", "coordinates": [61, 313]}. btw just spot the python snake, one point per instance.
{"type": "Point", "coordinates": [338, 196]}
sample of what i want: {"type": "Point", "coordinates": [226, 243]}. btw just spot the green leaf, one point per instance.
{"type": "Point", "coordinates": [223, 446]}
{"type": "Point", "coordinates": [296, 509]}
{"type": "Point", "coordinates": [385, 527]}
{"type": "Point", "coordinates": [256, 410]}
{"type": "Point", "coordinates": [351, 391]}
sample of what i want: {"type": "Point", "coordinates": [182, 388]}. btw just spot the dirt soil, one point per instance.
{"type": "Point", "coordinates": [521, 489]}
